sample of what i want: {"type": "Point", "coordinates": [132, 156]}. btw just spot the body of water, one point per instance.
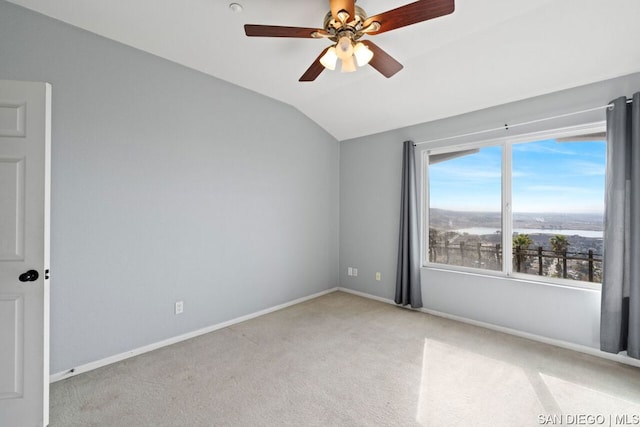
{"type": "Point", "coordinates": [488, 230]}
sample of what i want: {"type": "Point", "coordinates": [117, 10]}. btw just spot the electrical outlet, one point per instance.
{"type": "Point", "coordinates": [378, 276]}
{"type": "Point", "coordinates": [179, 307]}
{"type": "Point", "coordinates": [355, 271]}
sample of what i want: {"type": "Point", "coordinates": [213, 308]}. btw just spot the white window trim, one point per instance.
{"type": "Point", "coordinates": [507, 220]}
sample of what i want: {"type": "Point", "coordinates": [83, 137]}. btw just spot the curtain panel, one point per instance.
{"type": "Point", "coordinates": [620, 311]}
{"type": "Point", "coordinates": [408, 290]}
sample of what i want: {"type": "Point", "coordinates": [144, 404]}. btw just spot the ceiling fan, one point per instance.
{"type": "Point", "coordinates": [345, 24]}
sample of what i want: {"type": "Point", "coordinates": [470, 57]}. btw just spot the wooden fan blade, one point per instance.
{"type": "Point", "coordinates": [409, 14]}
{"type": "Point", "coordinates": [348, 6]}
{"type": "Point", "coordinates": [314, 70]}
{"type": "Point", "coordinates": [277, 31]}
{"type": "Point", "coordinates": [382, 61]}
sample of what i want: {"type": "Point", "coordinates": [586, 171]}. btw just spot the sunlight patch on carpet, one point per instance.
{"type": "Point", "coordinates": [458, 386]}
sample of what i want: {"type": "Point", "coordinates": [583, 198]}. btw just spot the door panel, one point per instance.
{"type": "Point", "coordinates": [11, 367]}
{"type": "Point", "coordinates": [12, 194]}
{"type": "Point", "coordinates": [12, 118]}
{"type": "Point", "coordinates": [25, 128]}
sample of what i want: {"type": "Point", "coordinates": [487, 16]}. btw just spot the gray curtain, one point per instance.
{"type": "Point", "coordinates": [408, 270]}
{"type": "Point", "coordinates": [620, 315]}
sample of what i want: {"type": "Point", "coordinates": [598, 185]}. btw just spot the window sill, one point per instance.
{"type": "Point", "coordinates": [521, 278]}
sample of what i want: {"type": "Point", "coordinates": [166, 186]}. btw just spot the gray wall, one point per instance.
{"type": "Point", "coordinates": [169, 185]}
{"type": "Point", "coordinates": [370, 170]}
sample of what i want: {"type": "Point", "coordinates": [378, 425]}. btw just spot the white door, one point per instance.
{"type": "Point", "coordinates": [25, 127]}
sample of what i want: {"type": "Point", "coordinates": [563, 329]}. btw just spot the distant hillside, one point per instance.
{"type": "Point", "coordinates": [453, 220]}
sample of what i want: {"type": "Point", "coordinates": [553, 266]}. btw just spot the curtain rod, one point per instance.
{"type": "Point", "coordinates": [507, 126]}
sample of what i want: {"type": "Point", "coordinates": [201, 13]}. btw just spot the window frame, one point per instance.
{"type": "Point", "coordinates": [506, 143]}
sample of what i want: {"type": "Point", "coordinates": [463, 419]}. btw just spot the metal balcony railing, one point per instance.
{"type": "Point", "coordinates": [586, 266]}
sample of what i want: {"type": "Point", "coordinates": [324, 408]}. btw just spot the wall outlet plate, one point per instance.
{"type": "Point", "coordinates": [179, 307]}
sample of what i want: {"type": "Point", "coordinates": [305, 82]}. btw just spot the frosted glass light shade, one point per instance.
{"type": "Point", "coordinates": [363, 54]}
{"type": "Point", "coordinates": [344, 48]}
{"type": "Point", "coordinates": [348, 65]}
{"type": "Point", "coordinates": [329, 59]}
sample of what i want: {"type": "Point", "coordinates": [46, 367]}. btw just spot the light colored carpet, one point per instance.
{"type": "Point", "coordinates": [343, 360]}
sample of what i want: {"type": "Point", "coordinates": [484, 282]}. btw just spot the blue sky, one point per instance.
{"type": "Point", "coordinates": [547, 177]}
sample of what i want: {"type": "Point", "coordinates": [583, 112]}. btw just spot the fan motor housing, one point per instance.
{"type": "Point", "coordinates": [334, 26]}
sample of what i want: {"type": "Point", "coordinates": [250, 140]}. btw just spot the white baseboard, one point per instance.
{"type": "Point", "coordinates": [365, 295]}
{"type": "Point", "coordinates": [620, 358]}
{"type": "Point", "coordinates": [135, 352]}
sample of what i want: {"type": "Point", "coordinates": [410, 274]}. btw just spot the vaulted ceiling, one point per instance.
{"type": "Point", "coordinates": [486, 53]}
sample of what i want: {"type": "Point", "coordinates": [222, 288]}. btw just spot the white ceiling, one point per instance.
{"type": "Point", "coordinates": [486, 53]}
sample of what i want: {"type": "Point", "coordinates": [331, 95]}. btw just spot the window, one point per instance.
{"type": "Point", "coordinates": [465, 210]}
{"type": "Point", "coordinates": [533, 208]}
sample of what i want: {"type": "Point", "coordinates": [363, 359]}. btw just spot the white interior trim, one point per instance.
{"type": "Point", "coordinates": [620, 358]}
{"type": "Point", "coordinates": [531, 136]}
{"type": "Point", "coordinates": [147, 348]}
{"type": "Point", "coordinates": [509, 126]}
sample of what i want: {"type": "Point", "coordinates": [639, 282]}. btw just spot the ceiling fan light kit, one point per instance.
{"type": "Point", "coordinates": [329, 59]}
{"type": "Point", "coordinates": [363, 54]}
{"type": "Point", "coordinates": [344, 48]}
{"type": "Point", "coordinates": [345, 24]}
{"type": "Point", "coordinates": [360, 53]}
{"type": "Point", "coordinates": [348, 65]}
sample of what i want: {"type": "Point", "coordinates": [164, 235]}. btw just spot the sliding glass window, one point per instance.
{"type": "Point", "coordinates": [465, 214]}
{"type": "Point", "coordinates": [532, 209]}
